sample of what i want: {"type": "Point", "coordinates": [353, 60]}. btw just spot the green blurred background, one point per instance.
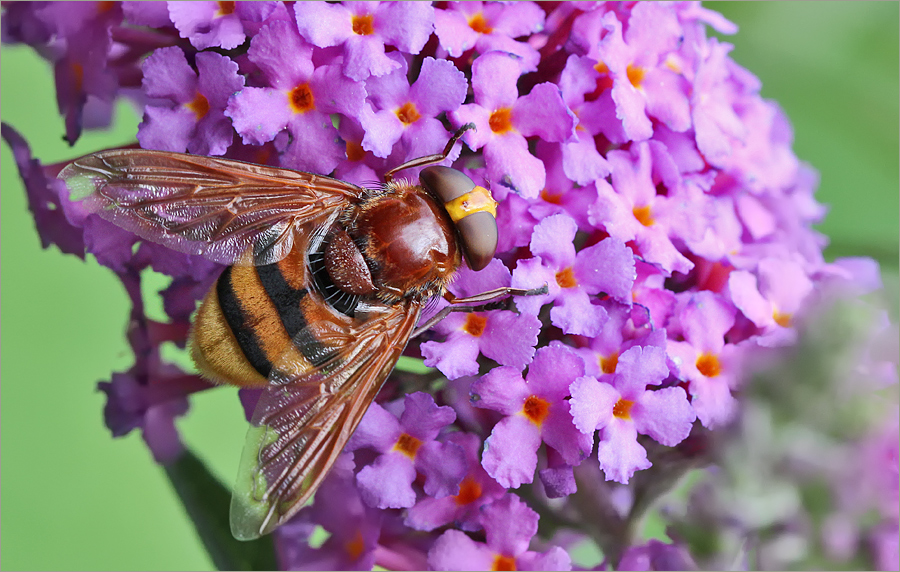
{"type": "Point", "coordinates": [73, 498]}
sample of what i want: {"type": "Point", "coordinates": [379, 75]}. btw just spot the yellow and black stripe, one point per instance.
{"type": "Point", "coordinates": [252, 317]}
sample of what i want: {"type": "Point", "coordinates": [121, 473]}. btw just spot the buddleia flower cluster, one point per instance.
{"type": "Point", "coordinates": [639, 175]}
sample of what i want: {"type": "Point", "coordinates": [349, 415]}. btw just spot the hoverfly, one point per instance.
{"type": "Point", "coordinates": [324, 285]}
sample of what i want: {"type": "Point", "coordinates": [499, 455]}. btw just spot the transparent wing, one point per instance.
{"type": "Point", "coordinates": [219, 208]}
{"type": "Point", "coordinates": [307, 413]}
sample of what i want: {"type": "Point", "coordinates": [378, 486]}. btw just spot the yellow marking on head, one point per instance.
{"type": "Point", "coordinates": [477, 200]}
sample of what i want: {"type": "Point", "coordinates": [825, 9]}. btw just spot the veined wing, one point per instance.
{"type": "Point", "coordinates": [306, 415]}
{"type": "Point", "coordinates": [219, 208]}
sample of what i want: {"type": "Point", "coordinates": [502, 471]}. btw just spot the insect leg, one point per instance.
{"type": "Point", "coordinates": [465, 304]}
{"type": "Point", "coordinates": [430, 159]}
{"type": "Point", "coordinates": [496, 293]}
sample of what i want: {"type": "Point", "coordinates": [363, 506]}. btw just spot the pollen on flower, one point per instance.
{"type": "Point", "coordinates": [408, 445]}
{"type": "Point", "coordinates": [566, 278]}
{"type": "Point", "coordinates": [635, 75]}
{"type": "Point", "coordinates": [301, 98]}
{"type": "Point", "coordinates": [608, 363]}
{"type": "Point", "coordinates": [643, 216]}
{"type": "Point", "coordinates": [225, 8]}
{"type": "Point", "coordinates": [673, 64]}
{"type": "Point", "coordinates": [479, 24]}
{"type": "Point", "coordinates": [355, 546]}
{"type": "Point", "coordinates": [474, 325]}
{"type": "Point", "coordinates": [469, 492]}
{"type": "Point", "coordinates": [355, 151]}
{"type": "Point", "coordinates": [408, 113]}
{"type": "Point", "coordinates": [708, 364]}
{"type": "Point", "coordinates": [200, 106]}
{"type": "Point", "coordinates": [362, 25]}
{"type": "Point", "coordinates": [502, 562]}
{"type": "Point", "coordinates": [536, 409]}
{"type": "Point", "coordinates": [551, 197]}
{"type": "Point", "coordinates": [501, 120]}
{"type": "Point", "coordinates": [622, 409]}
{"type": "Point", "coordinates": [783, 320]}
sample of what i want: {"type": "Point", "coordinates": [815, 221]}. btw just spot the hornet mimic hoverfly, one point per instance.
{"type": "Point", "coordinates": [324, 287]}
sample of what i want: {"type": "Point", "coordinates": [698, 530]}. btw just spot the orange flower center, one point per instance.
{"type": "Point", "coordinates": [635, 75]}
{"type": "Point", "coordinates": [643, 216]}
{"type": "Point", "coordinates": [475, 325]}
{"type": "Point", "coordinates": [469, 491]}
{"type": "Point", "coordinates": [708, 364]}
{"type": "Point", "coordinates": [622, 409]}
{"type": "Point", "coordinates": [783, 320]}
{"type": "Point", "coordinates": [502, 562]}
{"type": "Point", "coordinates": [408, 113]}
{"type": "Point", "coordinates": [362, 25]}
{"type": "Point", "coordinates": [408, 445]}
{"type": "Point", "coordinates": [566, 278]}
{"type": "Point", "coordinates": [608, 364]}
{"type": "Point", "coordinates": [536, 409]}
{"type": "Point", "coordinates": [200, 106]}
{"type": "Point", "coordinates": [301, 98]}
{"type": "Point", "coordinates": [551, 197]}
{"type": "Point", "coordinates": [225, 8]}
{"type": "Point", "coordinates": [355, 546]}
{"type": "Point", "coordinates": [479, 24]}
{"type": "Point", "coordinates": [501, 120]}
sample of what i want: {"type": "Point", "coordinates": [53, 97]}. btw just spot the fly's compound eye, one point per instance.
{"type": "Point", "coordinates": [472, 209]}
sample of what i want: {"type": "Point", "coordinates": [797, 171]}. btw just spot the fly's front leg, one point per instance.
{"type": "Point", "coordinates": [479, 303]}
{"type": "Point", "coordinates": [430, 159]}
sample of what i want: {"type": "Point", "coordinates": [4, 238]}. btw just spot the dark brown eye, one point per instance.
{"type": "Point", "coordinates": [472, 209]}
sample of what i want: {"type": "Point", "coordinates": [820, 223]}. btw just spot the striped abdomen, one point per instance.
{"type": "Point", "coordinates": [252, 317]}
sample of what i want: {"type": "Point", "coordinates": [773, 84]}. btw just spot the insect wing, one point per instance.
{"type": "Point", "coordinates": [304, 419]}
{"type": "Point", "coordinates": [219, 208]}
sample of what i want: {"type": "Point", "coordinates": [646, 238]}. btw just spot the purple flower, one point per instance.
{"type": "Point", "coordinates": [581, 160]}
{"type": "Point", "coordinates": [362, 29]}
{"type": "Point", "coordinates": [573, 277]}
{"type": "Point", "coordinates": [506, 337]}
{"type": "Point", "coordinates": [463, 509]}
{"type": "Point", "coordinates": [408, 113]}
{"type": "Point", "coordinates": [86, 83]}
{"type": "Point", "coordinates": [354, 528]}
{"type": "Point", "coordinates": [299, 97]}
{"type": "Point", "coordinates": [193, 116]}
{"type": "Point", "coordinates": [490, 27]}
{"type": "Point", "coordinates": [645, 82]}
{"type": "Point", "coordinates": [509, 526]}
{"type": "Point", "coordinates": [535, 410]}
{"type": "Point", "coordinates": [704, 360]}
{"type": "Point", "coordinates": [46, 197]}
{"type": "Point", "coordinates": [631, 209]}
{"type": "Point", "coordinates": [771, 302]}
{"type": "Point", "coordinates": [150, 402]}
{"type": "Point", "coordinates": [407, 446]}
{"type": "Point", "coordinates": [218, 24]}
{"type": "Point", "coordinates": [561, 194]}
{"type": "Point", "coordinates": [622, 406]}
{"type": "Point", "coordinates": [656, 555]}
{"type": "Point", "coordinates": [503, 119]}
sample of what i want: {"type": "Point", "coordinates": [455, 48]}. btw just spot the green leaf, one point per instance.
{"type": "Point", "coordinates": [207, 502]}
